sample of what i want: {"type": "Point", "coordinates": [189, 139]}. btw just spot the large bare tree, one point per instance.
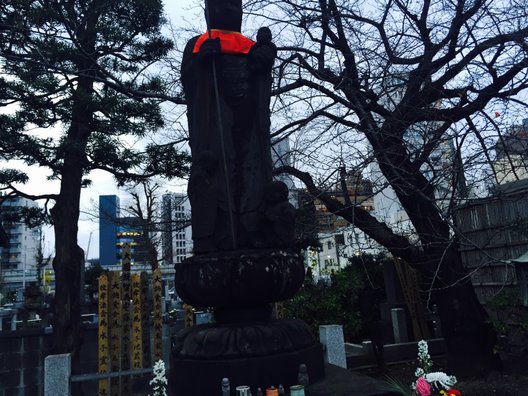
{"type": "Point", "coordinates": [385, 87]}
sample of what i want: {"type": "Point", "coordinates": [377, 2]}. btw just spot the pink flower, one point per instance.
{"type": "Point", "coordinates": [422, 387]}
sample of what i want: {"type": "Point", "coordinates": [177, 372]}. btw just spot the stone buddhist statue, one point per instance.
{"type": "Point", "coordinates": [227, 83]}
{"type": "Point", "coordinates": [242, 222]}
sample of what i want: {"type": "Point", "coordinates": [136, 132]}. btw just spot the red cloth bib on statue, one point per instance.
{"type": "Point", "coordinates": [230, 42]}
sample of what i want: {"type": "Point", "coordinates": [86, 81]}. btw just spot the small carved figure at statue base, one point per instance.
{"type": "Point", "coordinates": [226, 387]}
{"type": "Point", "coordinates": [303, 378]}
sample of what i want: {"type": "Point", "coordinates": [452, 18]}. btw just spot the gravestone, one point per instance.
{"type": "Point", "coordinates": [58, 372]}
{"type": "Point", "coordinates": [331, 336]}
{"type": "Point", "coordinates": [399, 325]}
{"type": "Point", "coordinates": [395, 299]}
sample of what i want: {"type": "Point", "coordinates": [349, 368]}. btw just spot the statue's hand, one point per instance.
{"type": "Point", "coordinates": [209, 49]}
{"type": "Point", "coordinates": [262, 56]}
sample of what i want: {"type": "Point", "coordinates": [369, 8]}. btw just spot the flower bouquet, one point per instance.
{"type": "Point", "coordinates": [432, 383]}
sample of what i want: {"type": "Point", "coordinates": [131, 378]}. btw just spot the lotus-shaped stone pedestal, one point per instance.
{"type": "Point", "coordinates": [244, 344]}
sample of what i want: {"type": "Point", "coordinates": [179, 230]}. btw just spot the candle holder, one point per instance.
{"type": "Point", "coordinates": [272, 391]}
{"type": "Point", "coordinates": [297, 390]}
{"type": "Point", "coordinates": [243, 390]}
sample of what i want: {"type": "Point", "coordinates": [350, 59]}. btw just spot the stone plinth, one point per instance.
{"type": "Point", "coordinates": [199, 377]}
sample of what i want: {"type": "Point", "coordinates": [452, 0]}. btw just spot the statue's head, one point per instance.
{"type": "Point", "coordinates": [224, 14]}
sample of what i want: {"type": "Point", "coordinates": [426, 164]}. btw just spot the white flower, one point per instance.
{"type": "Point", "coordinates": [440, 380]}
{"type": "Point", "coordinates": [424, 358]}
{"type": "Point", "coordinates": [419, 372]}
{"type": "Point", "coordinates": [159, 382]}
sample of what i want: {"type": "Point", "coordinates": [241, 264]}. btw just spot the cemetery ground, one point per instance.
{"type": "Point", "coordinates": [511, 380]}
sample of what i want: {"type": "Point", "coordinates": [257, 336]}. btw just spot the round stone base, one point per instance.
{"type": "Point", "coordinates": [238, 340]}
{"type": "Point", "coordinates": [201, 377]}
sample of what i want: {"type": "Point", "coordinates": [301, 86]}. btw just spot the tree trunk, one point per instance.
{"type": "Point", "coordinates": [68, 261]}
{"type": "Point", "coordinates": [469, 335]}
{"type": "Point", "coordinates": [69, 257]}
{"type": "Point", "coordinates": [150, 247]}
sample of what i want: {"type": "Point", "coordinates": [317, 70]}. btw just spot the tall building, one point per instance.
{"type": "Point", "coordinates": [115, 231]}
{"type": "Point", "coordinates": [439, 169]}
{"type": "Point", "coordinates": [130, 233]}
{"type": "Point", "coordinates": [176, 229]}
{"type": "Point", "coordinates": [18, 260]}
{"type": "Point", "coordinates": [108, 229]}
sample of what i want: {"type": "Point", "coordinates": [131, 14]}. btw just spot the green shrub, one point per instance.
{"type": "Point", "coordinates": [350, 298]}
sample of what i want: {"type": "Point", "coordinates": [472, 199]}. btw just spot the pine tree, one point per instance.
{"type": "Point", "coordinates": [78, 86]}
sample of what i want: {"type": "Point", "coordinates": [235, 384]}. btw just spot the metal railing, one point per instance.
{"type": "Point", "coordinates": [112, 374]}
{"type": "Point", "coordinates": [57, 375]}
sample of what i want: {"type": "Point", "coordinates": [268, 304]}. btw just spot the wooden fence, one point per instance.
{"type": "Point", "coordinates": [493, 231]}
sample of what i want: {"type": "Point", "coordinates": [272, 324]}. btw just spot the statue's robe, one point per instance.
{"type": "Point", "coordinates": [244, 97]}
